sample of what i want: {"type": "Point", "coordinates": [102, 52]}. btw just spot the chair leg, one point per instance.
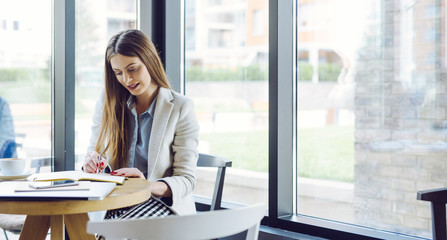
{"type": "Point", "coordinates": [6, 235]}
{"type": "Point", "coordinates": [252, 232]}
{"type": "Point", "coordinates": [438, 221]}
{"type": "Point", "coordinates": [218, 189]}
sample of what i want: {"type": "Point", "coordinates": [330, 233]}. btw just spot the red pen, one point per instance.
{"type": "Point", "coordinates": [99, 160]}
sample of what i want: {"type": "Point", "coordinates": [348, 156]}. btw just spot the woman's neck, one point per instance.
{"type": "Point", "coordinates": [144, 101]}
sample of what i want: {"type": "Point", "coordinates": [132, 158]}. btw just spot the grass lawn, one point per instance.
{"type": "Point", "coordinates": [323, 153]}
{"type": "Point", "coordinates": [247, 150]}
{"type": "Point", "coordinates": [326, 153]}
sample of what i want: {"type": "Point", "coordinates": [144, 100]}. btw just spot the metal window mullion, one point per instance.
{"type": "Point", "coordinates": [281, 104]}
{"type": "Point", "coordinates": [174, 44]}
{"type": "Point", "coordinates": [144, 16]}
{"type": "Point", "coordinates": [63, 85]}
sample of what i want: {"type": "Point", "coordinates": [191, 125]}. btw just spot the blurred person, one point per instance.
{"type": "Point", "coordinates": [7, 135]}
{"type": "Point", "coordinates": [142, 128]}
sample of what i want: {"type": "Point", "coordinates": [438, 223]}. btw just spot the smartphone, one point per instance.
{"type": "Point", "coordinates": [53, 184]}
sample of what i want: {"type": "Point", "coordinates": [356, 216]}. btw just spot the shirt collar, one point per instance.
{"type": "Point", "coordinates": [131, 105]}
{"type": "Point", "coordinates": [151, 108]}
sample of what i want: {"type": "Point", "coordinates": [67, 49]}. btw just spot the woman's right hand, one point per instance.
{"type": "Point", "coordinates": [93, 164]}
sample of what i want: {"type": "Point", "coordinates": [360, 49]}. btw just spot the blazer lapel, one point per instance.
{"type": "Point", "coordinates": [162, 113]}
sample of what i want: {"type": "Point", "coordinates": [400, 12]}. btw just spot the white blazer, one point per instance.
{"type": "Point", "coordinates": [172, 154]}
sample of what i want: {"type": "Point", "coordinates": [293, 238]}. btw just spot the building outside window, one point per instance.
{"type": "Point", "coordinates": [258, 22]}
{"type": "Point", "coordinates": [15, 25]}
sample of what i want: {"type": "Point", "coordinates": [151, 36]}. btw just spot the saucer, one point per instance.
{"type": "Point", "coordinates": [20, 176]}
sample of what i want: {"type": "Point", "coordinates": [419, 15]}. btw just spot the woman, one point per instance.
{"type": "Point", "coordinates": [142, 128]}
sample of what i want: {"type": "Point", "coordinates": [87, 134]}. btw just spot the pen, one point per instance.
{"type": "Point", "coordinates": [99, 160]}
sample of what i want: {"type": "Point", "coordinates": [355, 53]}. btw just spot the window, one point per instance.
{"type": "Point", "coordinates": [15, 25]}
{"type": "Point", "coordinates": [123, 7]}
{"type": "Point", "coordinates": [190, 40]}
{"type": "Point", "coordinates": [258, 22]}
{"type": "Point", "coordinates": [370, 127]}
{"type": "Point", "coordinates": [219, 38]}
{"type": "Point", "coordinates": [96, 22]}
{"type": "Point", "coordinates": [227, 79]}
{"type": "Point", "coordinates": [25, 77]}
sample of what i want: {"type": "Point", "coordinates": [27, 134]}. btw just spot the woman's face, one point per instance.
{"type": "Point", "coordinates": [133, 75]}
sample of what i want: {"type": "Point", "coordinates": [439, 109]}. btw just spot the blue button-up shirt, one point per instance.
{"type": "Point", "coordinates": [140, 133]}
{"type": "Point", "coordinates": [7, 135]}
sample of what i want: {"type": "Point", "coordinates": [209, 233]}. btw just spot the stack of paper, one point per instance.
{"type": "Point", "coordinates": [10, 190]}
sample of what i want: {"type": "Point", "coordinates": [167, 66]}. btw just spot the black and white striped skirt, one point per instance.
{"type": "Point", "coordinates": [149, 209]}
{"type": "Point", "coordinates": [152, 208]}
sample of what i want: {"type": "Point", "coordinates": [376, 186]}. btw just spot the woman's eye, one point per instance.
{"type": "Point", "coordinates": [118, 73]}
{"type": "Point", "coordinates": [131, 69]}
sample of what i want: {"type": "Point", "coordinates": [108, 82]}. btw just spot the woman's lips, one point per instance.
{"type": "Point", "coordinates": [133, 87]}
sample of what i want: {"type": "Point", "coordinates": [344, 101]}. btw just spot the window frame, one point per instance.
{"type": "Point", "coordinates": [281, 108]}
{"type": "Point", "coordinates": [63, 85]}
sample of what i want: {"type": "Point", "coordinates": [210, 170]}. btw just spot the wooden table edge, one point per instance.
{"type": "Point", "coordinates": [120, 197]}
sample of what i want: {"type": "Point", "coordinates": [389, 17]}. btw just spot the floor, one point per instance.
{"type": "Point", "coordinates": [265, 234]}
{"type": "Point", "coordinates": [12, 236]}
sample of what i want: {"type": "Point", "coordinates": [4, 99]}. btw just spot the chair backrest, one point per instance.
{"type": "Point", "coordinates": [204, 225]}
{"type": "Point", "coordinates": [207, 160]}
{"type": "Point", "coordinates": [11, 147]}
{"type": "Point", "coordinates": [37, 163]}
{"type": "Point", "coordinates": [438, 199]}
{"type": "Point", "coordinates": [20, 139]}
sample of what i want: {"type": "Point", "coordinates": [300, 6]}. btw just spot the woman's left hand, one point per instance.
{"type": "Point", "coordinates": [128, 172]}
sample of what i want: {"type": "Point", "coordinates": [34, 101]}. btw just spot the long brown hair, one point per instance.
{"type": "Point", "coordinates": [113, 136]}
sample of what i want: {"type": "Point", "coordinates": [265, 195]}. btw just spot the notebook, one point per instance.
{"type": "Point", "coordinates": [96, 191]}
{"type": "Point", "coordinates": [77, 176]}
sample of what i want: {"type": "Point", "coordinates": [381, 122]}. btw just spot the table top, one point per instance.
{"type": "Point", "coordinates": [133, 191]}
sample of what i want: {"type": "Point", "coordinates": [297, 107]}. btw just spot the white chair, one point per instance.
{"type": "Point", "coordinates": [204, 225]}
{"type": "Point", "coordinates": [11, 223]}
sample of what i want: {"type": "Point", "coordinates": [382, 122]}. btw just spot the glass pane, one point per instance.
{"type": "Point", "coordinates": [25, 79]}
{"type": "Point", "coordinates": [96, 21]}
{"type": "Point", "coordinates": [371, 111]}
{"type": "Point", "coordinates": [226, 74]}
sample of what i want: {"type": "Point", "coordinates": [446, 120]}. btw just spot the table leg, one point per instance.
{"type": "Point", "coordinates": [35, 227]}
{"type": "Point", "coordinates": [76, 225]}
{"type": "Point", "coordinates": [57, 227]}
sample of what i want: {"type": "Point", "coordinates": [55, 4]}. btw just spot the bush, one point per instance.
{"type": "Point", "coordinates": [328, 72]}
{"type": "Point", "coordinates": [250, 73]}
{"type": "Point", "coordinates": [13, 74]}
{"type": "Point", "coordinates": [305, 71]}
{"type": "Point", "coordinates": [23, 74]}
{"type": "Point", "coordinates": [256, 72]}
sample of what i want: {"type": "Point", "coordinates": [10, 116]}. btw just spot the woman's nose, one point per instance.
{"type": "Point", "coordinates": [127, 77]}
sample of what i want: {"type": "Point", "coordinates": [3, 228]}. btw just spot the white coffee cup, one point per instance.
{"type": "Point", "coordinates": [12, 166]}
